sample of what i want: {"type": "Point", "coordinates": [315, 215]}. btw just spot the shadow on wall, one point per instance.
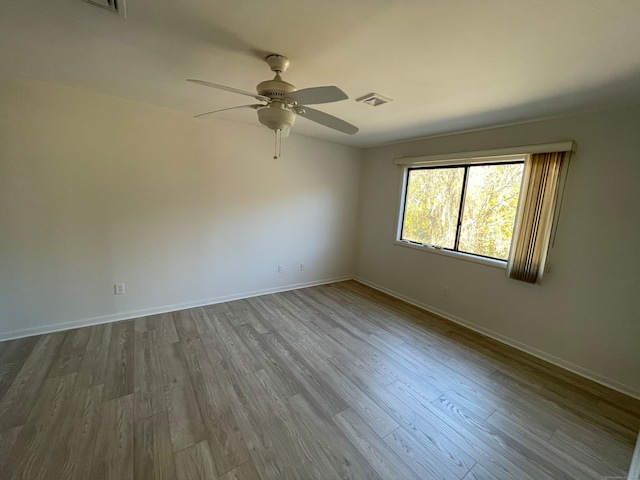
{"type": "Point", "coordinates": [577, 101]}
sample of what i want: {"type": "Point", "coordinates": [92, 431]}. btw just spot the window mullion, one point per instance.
{"type": "Point", "coordinates": [463, 196]}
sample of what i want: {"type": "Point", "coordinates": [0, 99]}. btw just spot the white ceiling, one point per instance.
{"type": "Point", "coordinates": [449, 65]}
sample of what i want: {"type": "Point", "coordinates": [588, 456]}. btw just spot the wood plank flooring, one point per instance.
{"type": "Point", "coordinates": [336, 381]}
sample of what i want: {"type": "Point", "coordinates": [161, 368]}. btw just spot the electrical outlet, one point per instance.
{"type": "Point", "coordinates": [280, 269]}
{"type": "Point", "coordinates": [118, 288]}
{"type": "Point", "coordinates": [445, 291]}
{"type": "Point", "coordinates": [302, 266]}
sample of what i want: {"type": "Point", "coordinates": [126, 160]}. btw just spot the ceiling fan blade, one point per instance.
{"type": "Point", "coordinates": [229, 89]}
{"type": "Point", "coordinates": [328, 120]}
{"type": "Point", "coordinates": [315, 95]}
{"type": "Point", "coordinates": [255, 107]}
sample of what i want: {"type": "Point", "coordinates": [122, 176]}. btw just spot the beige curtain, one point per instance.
{"type": "Point", "coordinates": [535, 217]}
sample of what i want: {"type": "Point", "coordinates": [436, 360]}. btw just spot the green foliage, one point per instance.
{"type": "Point", "coordinates": [433, 200]}
{"type": "Point", "coordinates": [491, 200]}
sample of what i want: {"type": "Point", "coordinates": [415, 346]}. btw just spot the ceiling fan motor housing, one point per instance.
{"type": "Point", "coordinates": [276, 88]}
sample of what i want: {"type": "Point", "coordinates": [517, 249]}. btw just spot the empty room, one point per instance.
{"type": "Point", "coordinates": [364, 239]}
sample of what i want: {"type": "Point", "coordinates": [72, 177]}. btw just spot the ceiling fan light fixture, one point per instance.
{"type": "Point", "coordinates": [276, 117]}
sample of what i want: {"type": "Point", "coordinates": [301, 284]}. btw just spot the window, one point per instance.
{"type": "Point", "coordinates": [464, 208]}
{"type": "Point", "coordinates": [488, 206]}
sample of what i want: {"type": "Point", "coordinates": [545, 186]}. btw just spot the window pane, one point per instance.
{"type": "Point", "coordinates": [432, 206]}
{"type": "Point", "coordinates": [490, 207]}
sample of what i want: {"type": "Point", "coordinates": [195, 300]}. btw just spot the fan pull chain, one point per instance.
{"type": "Point", "coordinates": [278, 146]}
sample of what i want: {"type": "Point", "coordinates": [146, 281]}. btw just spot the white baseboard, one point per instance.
{"type": "Point", "coordinates": [572, 367]}
{"type": "Point", "coordinates": [116, 317]}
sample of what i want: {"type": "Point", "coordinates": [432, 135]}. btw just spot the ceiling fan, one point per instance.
{"type": "Point", "coordinates": [282, 102]}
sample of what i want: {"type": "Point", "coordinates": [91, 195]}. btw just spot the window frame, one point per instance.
{"type": "Point", "coordinates": [463, 197]}
{"type": "Point", "coordinates": [460, 162]}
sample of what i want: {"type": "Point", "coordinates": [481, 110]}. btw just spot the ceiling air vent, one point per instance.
{"type": "Point", "coordinates": [106, 4]}
{"type": "Point", "coordinates": [374, 99]}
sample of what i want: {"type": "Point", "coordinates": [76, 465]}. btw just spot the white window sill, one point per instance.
{"type": "Point", "coordinates": [457, 255]}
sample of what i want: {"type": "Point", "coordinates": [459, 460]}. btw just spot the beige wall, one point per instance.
{"type": "Point", "coordinates": [97, 189]}
{"type": "Point", "coordinates": [586, 314]}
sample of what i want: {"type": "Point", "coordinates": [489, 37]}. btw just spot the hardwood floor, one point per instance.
{"type": "Point", "coordinates": [336, 381]}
